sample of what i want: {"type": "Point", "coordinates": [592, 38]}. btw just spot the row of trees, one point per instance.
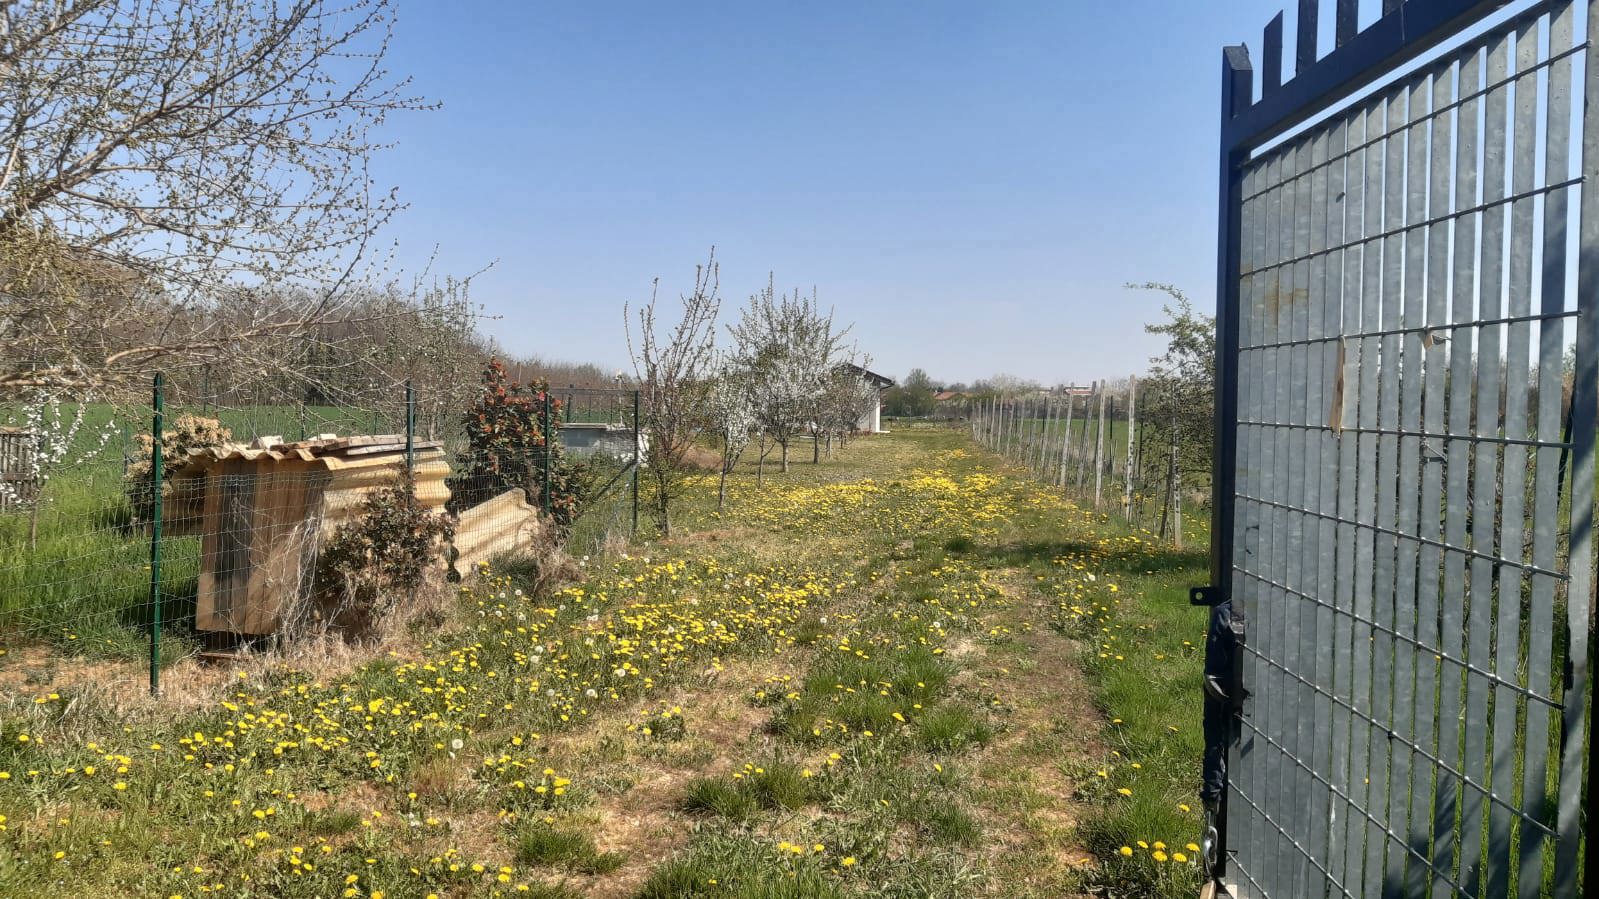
{"type": "Point", "coordinates": [787, 373]}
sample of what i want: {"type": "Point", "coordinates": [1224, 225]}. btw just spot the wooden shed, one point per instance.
{"type": "Point", "coordinates": [263, 510]}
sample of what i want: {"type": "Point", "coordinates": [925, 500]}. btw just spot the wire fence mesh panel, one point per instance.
{"type": "Point", "coordinates": [153, 531]}
{"type": "Point", "coordinates": [1405, 470]}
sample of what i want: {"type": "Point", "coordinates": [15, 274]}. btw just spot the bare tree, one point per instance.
{"type": "Point", "coordinates": [184, 180]}
{"type": "Point", "coordinates": [672, 372]}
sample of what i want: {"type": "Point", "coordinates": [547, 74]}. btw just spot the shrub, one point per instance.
{"type": "Point", "coordinates": [371, 563]}
{"type": "Point", "coordinates": [506, 449]}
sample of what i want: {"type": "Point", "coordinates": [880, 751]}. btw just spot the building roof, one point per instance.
{"type": "Point", "coordinates": [881, 382]}
{"type": "Point", "coordinates": [946, 395]}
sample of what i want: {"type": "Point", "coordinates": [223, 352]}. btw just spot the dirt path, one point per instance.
{"type": "Point", "coordinates": [1028, 799]}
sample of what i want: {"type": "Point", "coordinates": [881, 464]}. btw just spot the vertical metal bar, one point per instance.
{"type": "Point", "coordinates": [1413, 315]}
{"type": "Point", "coordinates": [1127, 469]}
{"type": "Point", "coordinates": [1384, 573]}
{"type": "Point", "coordinates": [157, 428]}
{"type": "Point", "coordinates": [1479, 817]}
{"type": "Point", "coordinates": [1426, 780]}
{"type": "Point", "coordinates": [638, 457]}
{"type": "Point", "coordinates": [1298, 790]}
{"type": "Point", "coordinates": [1546, 488]}
{"type": "Point", "coordinates": [1272, 49]}
{"type": "Point", "coordinates": [1305, 49]}
{"type": "Point", "coordinates": [410, 426]}
{"type": "Point", "coordinates": [1365, 834]}
{"type": "Point", "coordinates": [1262, 443]}
{"type": "Point", "coordinates": [1244, 766]}
{"type": "Point", "coordinates": [1460, 721]}
{"type": "Point", "coordinates": [1274, 561]}
{"type": "Point", "coordinates": [1321, 454]}
{"type": "Point", "coordinates": [548, 451]}
{"type": "Point", "coordinates": [1348, 20]}
{"type": "Point", "coordinates": [1344, 837]}
{"type": "Point", "coordinates": [1585, 404]}
{"type": "Point", "coordinates": [1508, 647]}
{"type": "Point", "coordinates": [1236, 95]}
{"type": "Point", "coordinates": [1099, 445]}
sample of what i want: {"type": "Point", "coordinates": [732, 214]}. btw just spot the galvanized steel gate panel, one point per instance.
{"type": "Point", "coordinates": [1408, 275]}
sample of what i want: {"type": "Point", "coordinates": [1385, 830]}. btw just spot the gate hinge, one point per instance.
{"type": "Point", "coordinates": [1206, 596]}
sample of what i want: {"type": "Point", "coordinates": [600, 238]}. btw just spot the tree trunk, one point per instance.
{"type": "Point", "coordinates": [816, 449]}
{"type": "Point", "coordinates": [721, 491]}
{"type": "Point", "coordinates": [1176, 504]}
{"type": "Point", "coordinates": [760, 463]}
{"type": "Point", "coordinates": [1171, 487]}
{"type": "Point", "coordinates": [663, 500]}
{"type": "Point", "coordinates": [784, 444]}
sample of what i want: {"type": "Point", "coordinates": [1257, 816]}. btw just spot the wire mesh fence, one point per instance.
{"type": "Point", "coordinates": [1094, 444]}
{"type": "Point", "coordinates": [179, 526]}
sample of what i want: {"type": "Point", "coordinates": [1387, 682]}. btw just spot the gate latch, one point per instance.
{"type": "Point", "coordinates": [1206, 596]}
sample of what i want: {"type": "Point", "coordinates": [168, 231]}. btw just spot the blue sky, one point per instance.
{"type": "Point", "coordinates": [970, 183]}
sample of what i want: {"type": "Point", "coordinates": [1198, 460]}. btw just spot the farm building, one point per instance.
{"type": "Point", "coordinates": [583, 438]}
{"type": "Point", "coordinates": [871, 420]}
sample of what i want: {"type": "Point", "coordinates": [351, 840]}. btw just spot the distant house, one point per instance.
{"type": "Point", "coordinates": [949, 396]}
{"type": "Point", "coordinates": [871, 421]}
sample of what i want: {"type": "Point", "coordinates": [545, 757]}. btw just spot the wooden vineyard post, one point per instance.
{"type": "Point", "coordinates": [1132, 430]}
{"type": "Point", "coordinates": [1099, 449]}
{"type": "Point", "coordinates": [1066, 441]}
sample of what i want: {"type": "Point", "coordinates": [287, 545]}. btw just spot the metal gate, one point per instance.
{"type": "Point", "coordinates": [1408, 274]}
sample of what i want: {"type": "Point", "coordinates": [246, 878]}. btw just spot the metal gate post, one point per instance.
{"type": "Point", "coordinates": [1237, 86]}
{"type": "Point", "coordinates": [548, 450]}
{"type": "Point", "coordinates": [410, 426]}
{"type": "Point", "coordinates": [638, 457]}
{"type": "Point", "coordinates": [156, 460]}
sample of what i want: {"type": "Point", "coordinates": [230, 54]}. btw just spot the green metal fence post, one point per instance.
{"type": "Point", "coordinates": [638, 459]}
{"type": "Point", "coordinates": [155, 538]}
{"type": "Point", "coordinates": [548, 451]}
{"type": "Point", "coordinates": [410, 426]}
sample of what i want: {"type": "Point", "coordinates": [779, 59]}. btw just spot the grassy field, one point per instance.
{"type": "Point", "coordinates": [906, 672]}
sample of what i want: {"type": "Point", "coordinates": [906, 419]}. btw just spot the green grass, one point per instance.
{"type": "Point", "coordinates": [722, 797]}
{"type": "Point", "coordinates": [883, 613]}
{"type": "Point", "coordinates": [544, 845]}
